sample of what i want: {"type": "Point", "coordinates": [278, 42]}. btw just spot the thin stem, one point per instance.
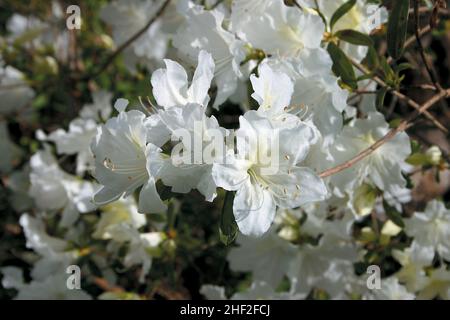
{"type": "Point", "coordinates": [405, 124]}
{"type": "Point", "coordinates": [401, 96]}
{"type": "Point", "coordinates": [120, 49]}
{"type": "Point", "coordinates": [412, 39]}
{"type": "Point", "coordinates": [420, 45]}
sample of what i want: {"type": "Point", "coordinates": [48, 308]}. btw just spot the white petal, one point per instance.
{"type": "Point", "coordinates": [149, 200]}
{"type": "Point", "coordinates": [121, 105]}
{"type": "Point", "coordinates": [231, 174]}
{"type": "Point", "coordinates": [273, 90]}
{"type": "Point", "coordinates": [300, 187]}
{"type": "Point", "coordinates": [198, 91]}
{"type": "Point", "coordinates": [254, 209]}
{"type": "Point", "coordinates": [170, 85]}
{"type": "Point", "coordinates": [106, 195]}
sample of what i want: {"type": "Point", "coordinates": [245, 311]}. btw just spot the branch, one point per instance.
{"type": "Point", "coordinates": [129, 41]}
{"type": "Point", "coordinates": [421, 49]}
{"type": "Point", "coordinates": [405, 124]}
{"type": "Point", "coordinates": [400, 95]}
{"type": "Point", "coordinates": [412, 39]}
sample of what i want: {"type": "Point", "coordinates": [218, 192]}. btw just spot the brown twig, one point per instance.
{"type": "Point", "coordinates": [420, 45]}
{"type": "Point", "coordinates": [426, 10]}
{"type": "Point", "coordinates": [405, 124]}
{"type": "Point", "coordinates": [412, 39]}
{"type": "Point", "coordinates": [401, 96]}
{"type": "Point", "coordinates": [129, 41]}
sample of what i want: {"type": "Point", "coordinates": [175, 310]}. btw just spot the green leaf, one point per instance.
{"type": "Point", "coordinates": [354, 37]}
{"type": "Point", "coordinates": [381, 95]}
{"type": "Point", "coordinates": [342, 66]}
{"type": "Point", "coordinates": [397, 28]}
{"type": "Point", "coordinates": [394, 123]}
{"type": "Point", "coordinates": [372, 60]}
{"type": "Point", "coordinates": [403, 66]}
{"type": "Point", "coordinates": [387, 70]}
{"type": "Point", "coordinates": [415, 146]}
{"type": "Point", "coordinates": [341, 11]}
{"type": "Point", "coordinates": [418, 159]}
{"type": "Point", "coordinates": [365, 77]}
{"type": "Point", "coordinates": [393, 214]}
{"type": "Point", "coordinates": [228, 228]}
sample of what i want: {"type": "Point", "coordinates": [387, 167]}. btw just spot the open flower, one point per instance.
{"type": "Point", "coordinates": [273, 91]}
{"type": "Point", "coordinates": [383, 167]}
{"type": "Point", "coordinates": [121, 151]}
{"type": "Point", "coordinates": [170, 85]}
{"type": "Point", "coordinates": [200, 141]}
{"type": "Point", "coordinates": [53, 189]}
{"type": "Point", "coordinates": [203, 30]}
{"type": "Point", "coordinates": [280, 30]}
{"type": "Point", "coordinates": [265, 173]}
{"type": "Point", "coordinates": [431, 228]}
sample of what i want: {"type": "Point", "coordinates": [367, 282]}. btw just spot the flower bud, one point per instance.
{"type": "Point", "coordinates": [434, 155]}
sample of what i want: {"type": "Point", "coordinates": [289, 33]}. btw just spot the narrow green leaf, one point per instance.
{"type": "Point", "coordinates": [341, 11]}
{"type": "Point", "coordinates": [397, 28]}
{"type": "Point", "coordinates": [372, 60]}
{"type": "Point", "coordinates": [393, 214]}
{"type": "Point", "coordinates": [404, 66]}
{"type": "Point", "coordinates": [365, 77]}
{"type": "Point", "coordinates": [418, 159]}
{"type": "Point", "coordinates": [415, 146]}
{"type": "Point", "coordinates": [228, 228]}
{"type": "Point", "coordinates": [354, 37]}
{"type": "Point", "coordinates": [387, 70]}
{"type": "Point", "coordinates": [381, 95]}
{"type": "Point", "coordinates": [342, 66]}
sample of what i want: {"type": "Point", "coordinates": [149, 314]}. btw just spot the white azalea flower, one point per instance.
{"type": "Point", "coordinates": [363, 17]}
{"type": "Point", "coordinates": [281, 30]}
{"type": "Point", "coordinates": [100, 109]}
{"type": "Point", "coordinates": [127, 18]}
{"type": "Point", "coordinates": [201, 142]}
{"type": "Point", "coordinates": [265, 177]}
{"type": "Point", "coordinates": [53, 252]}
{"type": "Point", "coordinates": [141, 246]}
{"type": "Point", "coordinates": [391, 289]}
{"type": "Point", "coordinates": [437, 286]}
{"type": "Point", "coordinates": [413, 261]}
{"type": "Point", "coordinates": [203, 30]}
{"type": "Point", "coordinates": [53, 189]}
{"type": "Point", "coordinates": [54, 287]}
{"type": "Point", "coordinates": [170, 85]}
{"type": "Point", "coordinates": [316, 93]}
{"type": "Point", "coordinates": [340, 281]}
{"type": "Point", "coordinates": [38, 239]}
{"type": "Point", "coordinates": [15, 93]}
{"type": "Point", "coordinates": [268, 258]}
{"type": "Point", "coordinates": [312, 262]}
{"type": "Point", "coordinates": [76, 141]}
{"type": "Point", "coordinates": [382, 167]}
{"type": "Point", "coordinates": [120, 211]}
{"type": "Point", "coordinates": [259, 290]}
{"type": "Point", "coordinates": [12, 277]}
{"type": "Point", "coordinates": [272, 91]}
{"type": "Point", "coordinates": [431, 228]}
{"type": "Point", "coordinates": [242, 11]}
{"type": "Point", "coordinates": [121, 151]}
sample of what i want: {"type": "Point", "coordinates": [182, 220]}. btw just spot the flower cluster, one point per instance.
{"type": "Point", "coordinates": [134, 164]}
